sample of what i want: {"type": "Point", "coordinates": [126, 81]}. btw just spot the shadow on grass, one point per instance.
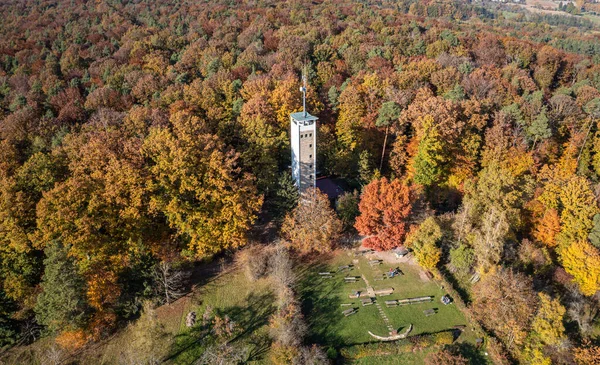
{"type": "Point", "coordinates": [453, 280]}
{"type": "Point", "coordinates": [321, 305]}
{"type": "Point", "coordinates": [188, 346]}
{"type": "Point", "coordinates": [471, 353]}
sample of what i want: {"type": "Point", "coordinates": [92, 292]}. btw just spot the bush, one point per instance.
{"type": "Point", "coordinates": [283, 355]}
{"type": "Point", "coordinates": [255, 261]}
{"type": "Point", "coordinates": [443, 338]}
{"type": "Point", "coordinates": [332, 353]}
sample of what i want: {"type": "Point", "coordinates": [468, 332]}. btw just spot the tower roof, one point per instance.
{"type": "Point", "coordinates": [301, 117]}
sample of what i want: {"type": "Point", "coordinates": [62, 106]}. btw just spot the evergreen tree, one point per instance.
{"type": "Point", "coordinates": [388, 113]}
{"type": "Point", "coordinates": [429, 163]}
{"type": "Point", "coordinates": [347, 208]}
{"type": "Point", "coordinates": [61, 305]}
{"type": "Point", "coordinates": [539, 128]}
{"type": "Point", "coordinates": [286, 195]}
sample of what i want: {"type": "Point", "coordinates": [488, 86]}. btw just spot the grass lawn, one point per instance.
{"type": "Point", "coordinates": [248, 304]}
{"type": "Point", "coordinates": [322, 299]}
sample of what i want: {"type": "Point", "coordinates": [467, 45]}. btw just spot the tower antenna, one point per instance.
{"type": "Point", "coordinates": [303, 90]}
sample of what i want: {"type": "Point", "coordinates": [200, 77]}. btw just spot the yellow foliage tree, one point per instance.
{"type": "Point", "coordinates": [548, 322]}
{"type": "Point", "coordinates": [582, 260]}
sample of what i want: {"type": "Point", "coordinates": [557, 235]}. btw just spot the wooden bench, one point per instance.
{"type": "Point", "coordinates": [383, 292]}
{"type": "Point", "coordinates": [367, 301]}
{"type": "Point", "coordinates": [429, 312]}
{"type": "Point", "coordinates": [375, 262]}
{"type": "Point", "coordinates": [421, 300]}
{"type": "Point", "coordinates": [325, 273]}
{"type": "Point", "coordinates": [348, 312]}
{"type": "Point", "coordinates": [391, 303]}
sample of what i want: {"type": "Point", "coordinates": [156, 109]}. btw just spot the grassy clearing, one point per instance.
{"type": "Point", "coordinates": [322, 300]}
{"type": "Point", "coordinates": [249, 304]}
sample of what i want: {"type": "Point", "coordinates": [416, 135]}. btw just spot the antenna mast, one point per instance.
{"type": "Point", "coordinates": [303, 90]}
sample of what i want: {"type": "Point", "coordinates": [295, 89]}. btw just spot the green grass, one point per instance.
{"type": "Point", "coordinates": [248, 304]}
{"type": "Point", "coordinates": [322, 299]}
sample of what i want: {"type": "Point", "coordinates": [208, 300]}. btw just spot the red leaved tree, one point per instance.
{"type": "Point", "coordinates": [384, 208]}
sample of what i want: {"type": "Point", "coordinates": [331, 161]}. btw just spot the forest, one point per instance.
{"type": "Point", "coordinates": [140, 139]}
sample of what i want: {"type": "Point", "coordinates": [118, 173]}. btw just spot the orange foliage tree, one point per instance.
{"type": "Point", "coordinates": [384, 209]}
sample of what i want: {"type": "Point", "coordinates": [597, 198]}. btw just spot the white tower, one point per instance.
{"type": "Point", "coordinates": [304, 145]}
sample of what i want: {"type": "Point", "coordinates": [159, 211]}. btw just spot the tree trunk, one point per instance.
{"type": "Point", "coordinates": [384, 143]}
{"type": "Point", "coordinates": [585, 140]}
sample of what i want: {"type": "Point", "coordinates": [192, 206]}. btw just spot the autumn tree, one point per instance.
{"type": "Point", "coordinates": [582, 260]}
{"type": "Point", "coordinates": [424, 242]}
{"type": "Point", "coordinates": [588, 354]}
{"type": "Point", "coordinates": [384, 209]}
{"type": "Point", "coordinates": [493, 212]}
{"type": "Point", "coordinates": [504, 301]}
{"type": "Point", "coordinates": [548, 322]}
{"type": "Point", "coordinates": [313, 224]}
{"type": "Point", "coordinates": [198, 186]}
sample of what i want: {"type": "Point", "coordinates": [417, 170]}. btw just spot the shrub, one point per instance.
{"type": "Point", "coordinates": [255, 261]}
{"type": "Point", "coordinates": [283, 355]}
{"type": "Point", "coordinates": [443, 338]}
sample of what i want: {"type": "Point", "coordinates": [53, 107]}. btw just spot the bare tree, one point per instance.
{"type": "Point", "coordinates": [254, 260]}
{"type": "Point", "coordinates": [169, 282]}
{"type": "Point", "coordinates": [53, 355]}
{"type": "Point", "coordinates": [224, 354]}
{"type": "Point", "coordinates": [584, 311]}
{"type": "Point", "coordinates": [312, 355]}
{"type": "Point", "coordinates": [281, 267]}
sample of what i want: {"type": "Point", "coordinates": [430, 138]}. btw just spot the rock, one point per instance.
{"type": "Point", "coordinates": [190, 319]}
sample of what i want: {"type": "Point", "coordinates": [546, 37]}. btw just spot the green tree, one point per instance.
{"type": "Point", "coordinates": [61, 305]}
{"type": "Point", "coordinates": [462, 258]}
{"type": "Point", "coordinates": [286, 195]}
{"type": "Point", "coordinates": [366, 170]}
{"type": "Point", "coordinates": [347, 208]}
{"type": "Point", "coordinates": [539, 128]}
{"type": "Point", "coordinates": [429, 161]}
{"type": "Point", "coordinates": [388, 113]}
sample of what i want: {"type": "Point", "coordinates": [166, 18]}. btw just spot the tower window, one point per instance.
{"type": "Point", "coordinates": [310, 134]}
{"type": "Point", "coordinates": [311, 166]}
{"type": "Point", "coordinates": [310, 145]}
{"type": "Point", "coordinates": [310, 176]}
{"type": "Point", "coordinates": [309, 156]}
